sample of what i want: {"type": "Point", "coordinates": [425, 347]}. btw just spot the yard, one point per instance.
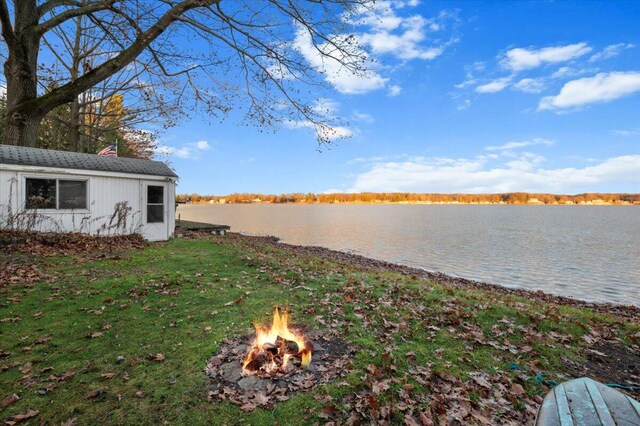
{"type": "Point", "coordinates": [120, 333]}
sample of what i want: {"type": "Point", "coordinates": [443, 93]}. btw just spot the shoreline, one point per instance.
{"type": "Point", "coordinates": [629, 312]}
{"type": "Point", "coordinates": [400, 203]}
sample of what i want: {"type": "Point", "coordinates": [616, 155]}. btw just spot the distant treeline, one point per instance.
{"type": "Point", "coordinates": [414, 198]}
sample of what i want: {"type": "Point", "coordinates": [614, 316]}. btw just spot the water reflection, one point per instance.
{"type": "Point", "coordinates": [587, 252]}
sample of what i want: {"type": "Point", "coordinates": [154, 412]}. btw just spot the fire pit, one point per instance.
{"type": "Point", "coordinates": [276, 363]}
{"type": "Point", "coordinates": [277, 349]}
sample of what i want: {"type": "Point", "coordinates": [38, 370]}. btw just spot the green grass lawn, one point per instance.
{"type": "Point", "coordinates": [182, 297]}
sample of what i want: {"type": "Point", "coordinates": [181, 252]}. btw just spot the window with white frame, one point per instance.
{"type": "Point", "coordinates": [58, 194]}
{"type": "Point", "coordinates": [155, 204]}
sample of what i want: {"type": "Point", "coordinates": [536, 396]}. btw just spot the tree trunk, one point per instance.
{"type": "Point", "coordinates": [20, 70]}
{"type": "Point", "coordinates": [74, 108]}
{"type": "Point", "coordinates": [22, 131]}
{"type": "Point", "coordinates": [74, 127]}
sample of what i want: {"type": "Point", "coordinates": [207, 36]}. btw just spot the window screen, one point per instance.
{"type": "Point", "coordinates": [40, 194]}
{"type": "Point", "coordinates": [155, 204]}
{"type": "Point", "coordinates": [73, 194]}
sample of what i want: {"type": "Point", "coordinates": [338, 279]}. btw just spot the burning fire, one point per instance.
{"type": "Point", "coordinates": [275, 346]}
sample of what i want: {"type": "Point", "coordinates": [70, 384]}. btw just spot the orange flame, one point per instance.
{"type": "Point", "coordinates": [274, 337]}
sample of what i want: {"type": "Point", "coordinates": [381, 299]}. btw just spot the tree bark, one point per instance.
{"type": "Point", "coordinates": [74, 108]}
{"type": "Point", "coordinates": [20, 71]}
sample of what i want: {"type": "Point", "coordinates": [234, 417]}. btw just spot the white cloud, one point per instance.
{"type": "Point", "coordinates": [375, 159]}
{"type": "Point", "coordinates": [470, 81]}
{"type": "Point", "coordinates": [561, 72]}
{"type": "Point", "coordinates": [323, 131]}
{"type": "Point", "coordinates": [603, 87]}
{"type": "Point", "coordinates": [494, 86]}
{"type": "Point", "coordinates": [202, 145]}
{"type": "Point", "coordinates": [530, 85]}
{"type": "Point", "coordinates": [405, 37]}
{"type": "Point", "coordinates": [481, 175]}
{"type": "Point", "coordinates": [509, 146]}
{"type": "Point", "coordinates": [336, 73]}
{"type": "Point", "coordinates": [187, 151]}
{"type": "Point", "coordinates": [380, 30]}
{"type": "Point", "coordinates": [464, 104]}
{"type": "Point", "coordinates": [406, 44]}
{"type": "Point", "coordinates": [363, 117]}
{"type": "Point", "coordinates": [519, 59]}
{"type": "Point", "coordinates": [610, 51]}
{"type": "Point", "coordinates": [635, 132]}
{"type": "Point", "coordinates": [326, 111]}
{"type": "Point", "coordinates": [394, 90]}
{"type": "Point", "coordinates": [569, 72]}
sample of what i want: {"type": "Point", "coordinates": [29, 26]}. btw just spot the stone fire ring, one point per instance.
{"type": "Point", "coordinates": [331, 360]}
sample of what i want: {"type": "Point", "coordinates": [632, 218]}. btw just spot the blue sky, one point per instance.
{"type": "Point", "coordinates": [466, 97]}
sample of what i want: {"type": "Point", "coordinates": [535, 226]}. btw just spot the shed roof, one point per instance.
{"type": "Point", "coordinates": [25, 156]}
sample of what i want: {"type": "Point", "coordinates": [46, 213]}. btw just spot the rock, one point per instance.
{"type": "Point", "coordinates": [120, 359]}
{"type": "Point", "coordinates": [254, 383]}
{"type": "Point", "coordinates": [247, 382]}
{"type": "Point", "coordinates": [231, 371]}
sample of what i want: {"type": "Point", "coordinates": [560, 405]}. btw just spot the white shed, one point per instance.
{"type": "Point", "coordinates": [58, 191]}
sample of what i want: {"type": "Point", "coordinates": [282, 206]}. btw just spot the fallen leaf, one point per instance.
{"type": "Point", "coordinates": [380, 387]}
{"type": "Point", "coordinates": [96, 393]}
{"type": "Point", "coordinates": [261, 399]}
{"type": "Point", "coordinates": [22, 417]}
{"type": "Point", "coordinates": [157, 357]}
{"type": "Point", "coordinates": [42, 340]}
{"type": "Point", "coordinates": [328, 412]}
{"type": "Point", "coordinates": [425, 418]}
{"type": "Point", "coordinates": [9, 400]}
{"type": "Point", "coordinates": [518, 389]}
{"type": "Point", "coordinates": [26, 368]}
{"type": "Point", "coordinates": [482, 381]}
{"type": "Point", "coordinates": [107, 375]}
{"type": "Point", "coordinates": [94, 335]}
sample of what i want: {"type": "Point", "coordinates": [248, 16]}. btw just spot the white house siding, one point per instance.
{"type": "Point", "coordinates": [105, 190]}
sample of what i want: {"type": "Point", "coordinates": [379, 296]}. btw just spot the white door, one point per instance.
{"type": "Point", "coordinates": [154, 211]}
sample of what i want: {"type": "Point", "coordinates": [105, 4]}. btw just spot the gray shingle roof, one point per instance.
{"type": "Point", "coordinates": [74, 160]}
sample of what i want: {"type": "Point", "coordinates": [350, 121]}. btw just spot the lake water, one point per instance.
{"type": "Point", "coordinates": [586, 252]}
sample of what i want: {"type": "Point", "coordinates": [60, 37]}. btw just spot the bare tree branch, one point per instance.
{"type": "Point", "coordinates": [7, 28]}
{"type": "Point", "coordinates": [68, 91]}
{"type": "Point", "coordinates": [72, 13]}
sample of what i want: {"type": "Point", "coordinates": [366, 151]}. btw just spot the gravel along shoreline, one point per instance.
{"type": "Point", "coordinates": [627, 312]}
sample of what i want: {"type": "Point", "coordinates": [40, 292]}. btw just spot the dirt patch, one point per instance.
{"type": "Point", "coordinates": [611, 363]}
